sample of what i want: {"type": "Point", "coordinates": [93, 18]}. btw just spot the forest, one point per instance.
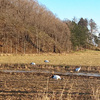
{"type": "Point", "coordinates": [28, 27]}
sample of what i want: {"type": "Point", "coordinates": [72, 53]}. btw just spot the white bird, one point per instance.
{"type": "Point", "coordinates": [33, 63]}
{"type": "Point", "coordinates": [56, 77]}
{"type": "Point", "coordinates": [47, 61]}
{"type": "Point", "coordinates": [78, 69]}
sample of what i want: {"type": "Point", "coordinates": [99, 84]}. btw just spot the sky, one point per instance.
{"type": "Point", "coordinates": [68, 9]}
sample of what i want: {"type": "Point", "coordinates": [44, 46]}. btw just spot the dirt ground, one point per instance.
{"type": "Point", "coordinates": [39, 86]}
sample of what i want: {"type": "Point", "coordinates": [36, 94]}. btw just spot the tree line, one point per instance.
{"type": "Point", "coordinates": [28, 27]}
{"type": "Point", "coordinates": [83, 33]}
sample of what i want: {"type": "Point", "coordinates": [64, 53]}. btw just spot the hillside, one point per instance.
{"type": "Point", "coordinates": [27, 27]}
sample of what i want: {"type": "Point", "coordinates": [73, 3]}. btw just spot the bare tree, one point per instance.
{"type": "Point", "coordinates": [93, 26]}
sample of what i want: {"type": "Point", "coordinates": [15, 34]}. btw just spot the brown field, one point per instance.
{"type": "Point", "coordinates": [39, 86]}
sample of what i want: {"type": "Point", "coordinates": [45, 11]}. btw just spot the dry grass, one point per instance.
{"type": "Point", "coordinates": [31, 86]}
{"type": "Point", "coordinates": [39, 86]}
{"type": "Point", "coordinates": [89, 58]}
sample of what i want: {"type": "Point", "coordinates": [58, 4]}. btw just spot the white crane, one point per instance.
{"type": "Point", "coordinates": [78, 69]}
{"type": "Point", "coordinates": [56, 77]}
{"type": "Point", "coordinates": [46, 61]}
{"type": "Point", "coordinates": [33, 63]}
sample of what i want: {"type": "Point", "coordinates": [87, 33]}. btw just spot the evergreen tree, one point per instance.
{"type": "Point", "coordinates": [79, 34]}
{"type": "Point", "coordinates": [83, 22]}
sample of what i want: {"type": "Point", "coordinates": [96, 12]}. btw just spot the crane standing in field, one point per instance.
{"type": "Point", "coordinates": [78, 69]}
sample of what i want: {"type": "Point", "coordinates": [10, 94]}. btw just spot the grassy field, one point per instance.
{"type": "Point", "coordinates": [88, 58]}
{"type": "Point", "coordinates": [39, 86]}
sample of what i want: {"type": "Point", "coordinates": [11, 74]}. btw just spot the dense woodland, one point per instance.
{"type": "Point", "coordinates": [28, 27]}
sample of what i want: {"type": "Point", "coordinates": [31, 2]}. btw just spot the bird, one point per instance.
{"type": "Point", "coordinates": [78, 69]}
{"type": "Point", "coordinates": [46, 61]}
{"type": "Point", "coordinates": [56, 77]}
{"type": "Point", "coordinates": [33, 63]}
